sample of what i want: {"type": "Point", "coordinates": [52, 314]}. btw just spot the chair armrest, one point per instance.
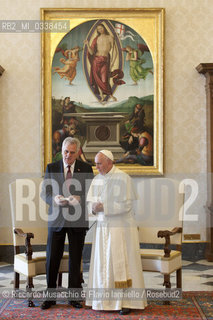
{"type": "Point", "coordinates": [166, 234]}
{"type": "Point", "coordinates": [28, 246]}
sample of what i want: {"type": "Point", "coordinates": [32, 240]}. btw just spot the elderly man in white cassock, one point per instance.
{"type": "Point", "coordinates": [115, 266]}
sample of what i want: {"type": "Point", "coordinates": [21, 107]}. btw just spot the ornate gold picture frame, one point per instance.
{"type": "Point", "coordinates": [103, 82]}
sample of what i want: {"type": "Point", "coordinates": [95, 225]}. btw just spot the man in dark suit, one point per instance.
{"type": "Point", "coordinates": [64, 190]}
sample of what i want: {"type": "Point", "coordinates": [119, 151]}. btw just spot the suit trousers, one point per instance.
{"type": "Point", "coordinates": [55, 249]}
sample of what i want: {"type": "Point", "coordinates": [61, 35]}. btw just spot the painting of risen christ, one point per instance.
{"type": "Point", "coordinates": [103, 61]}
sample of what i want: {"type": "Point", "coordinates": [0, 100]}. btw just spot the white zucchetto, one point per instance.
{"type": "Point", "coordinates": [108, 154]}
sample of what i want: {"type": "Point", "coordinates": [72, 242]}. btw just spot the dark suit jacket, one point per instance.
{"type": "Point", "coordinates": [54, 184]}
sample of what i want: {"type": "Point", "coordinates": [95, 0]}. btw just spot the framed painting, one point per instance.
{"type": "Point", "coordinates": [102, 82]}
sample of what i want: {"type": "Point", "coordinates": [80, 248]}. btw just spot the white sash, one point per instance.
{"type": "Point", "coordinates": [122, 277]}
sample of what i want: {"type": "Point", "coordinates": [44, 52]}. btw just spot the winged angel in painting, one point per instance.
{"type": "Point", "coordinates": [69, 69]}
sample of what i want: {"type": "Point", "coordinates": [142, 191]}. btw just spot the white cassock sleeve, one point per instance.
{"type": "Point", "coordinates": [115, 192]}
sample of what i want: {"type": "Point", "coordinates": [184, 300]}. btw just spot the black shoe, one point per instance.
{"type": "Point", "coordinates": [75, 304]}
{"type": "Point", "coordinates": [47, 304]}
{"type": "Point", "coordinates": [124, 311]}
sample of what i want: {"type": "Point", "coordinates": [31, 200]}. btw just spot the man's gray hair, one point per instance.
{"type": "Point", "coordinates": [70, 140]}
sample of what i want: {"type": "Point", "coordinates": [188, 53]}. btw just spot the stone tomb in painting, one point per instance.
{"type": "Point", "coordinates": [102, 132]}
